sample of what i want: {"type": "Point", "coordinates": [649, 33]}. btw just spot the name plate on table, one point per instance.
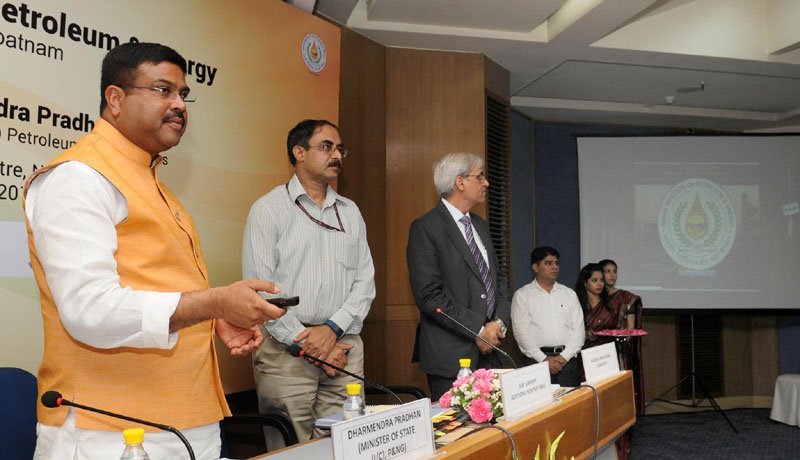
{"type": "Point", "coordinates": [525, 389]}
{"type": "Point", "coordinates": [600, 362]}
{"type": "Point", "coordinates": [403, 432]}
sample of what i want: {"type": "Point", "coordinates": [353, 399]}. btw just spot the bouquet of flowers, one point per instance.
{"type": "Point", "coordinates": [478, 395]}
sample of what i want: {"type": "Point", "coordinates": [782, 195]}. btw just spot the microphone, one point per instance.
{"type": "Point", "coordinates": [296, 351]}
{"type": "Point", "coordinates": [439, 311]}
{"type": "Point", "coordinates": [53, 398]}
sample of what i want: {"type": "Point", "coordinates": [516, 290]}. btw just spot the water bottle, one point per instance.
{"type": "Point", "coordinates": [133, 445]}
{"type": "Point", "coordinates": [354, 405]}
{"type": "Point", "coordinates": [465, 370]}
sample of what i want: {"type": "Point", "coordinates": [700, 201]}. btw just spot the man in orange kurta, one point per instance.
{"type": "Point", "coordinates": [128, 314]}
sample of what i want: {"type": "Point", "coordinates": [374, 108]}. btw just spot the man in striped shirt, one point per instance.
{"type": "Point", "coordinates": [313, 243]}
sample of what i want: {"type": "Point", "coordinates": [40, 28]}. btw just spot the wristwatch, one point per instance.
{"type": "Point", "coordinates": [503, 327]}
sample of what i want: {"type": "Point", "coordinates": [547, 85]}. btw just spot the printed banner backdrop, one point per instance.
{"type": "Point", "coordinates": [256, 67]}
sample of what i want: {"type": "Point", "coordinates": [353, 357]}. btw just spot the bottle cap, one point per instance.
{"type": "Point", "coordinates": [464, 362]}
{"type": "Point", "coordinates": [133, 435]}
{"type": "Point", "coordinates": [353, 389]}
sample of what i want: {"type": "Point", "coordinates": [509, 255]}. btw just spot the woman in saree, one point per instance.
{"type": "Point", "coordinates": [628, 309]}
{"type": "Point", "coordinates": [592, 296]}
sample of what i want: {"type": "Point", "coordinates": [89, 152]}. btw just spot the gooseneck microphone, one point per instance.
{"type": "Point", "coordinates": [53, 398]}
{"type": "Point", "coordinates": [441, 312]}
{"type": "Point", "coordinates": [296, 351]}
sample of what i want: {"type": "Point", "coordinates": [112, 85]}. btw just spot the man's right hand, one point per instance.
{"type": "Point", "coordinates": [491, 332]}
{"type": "Point", "coordinates": [238, 303]}
{"type": "Point", "coordinates": [556, 363]}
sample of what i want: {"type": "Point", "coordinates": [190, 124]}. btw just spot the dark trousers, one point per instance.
{"type": "Point", "coordinates": [439, 384]}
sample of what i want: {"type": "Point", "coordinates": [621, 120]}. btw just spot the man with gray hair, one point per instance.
{"type": "Point", "coordinates": [453, 267]}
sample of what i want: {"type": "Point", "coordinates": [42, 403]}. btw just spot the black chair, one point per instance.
{"type": "Point", "coordinates": [243, 434]}
{"type": "Point", "coordinates": [18, 396]}
{"type": "Point", "coordinates": [400, 390]}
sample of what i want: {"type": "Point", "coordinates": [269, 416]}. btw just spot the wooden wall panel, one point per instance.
{"type": "Point", "coordinates": [736, 356]}
{"type": "Point", "coordinates": [764, 356]}
{"type": "Point", "coordinates": [749, 355]}
{"type": "Point", "coordinates": [497, 80]}
{"type": "Point", "coordinates": [399, 345]}
{"type": "Point", "coordinates": [374, 337]}
{"type": "Point", "coordinates": [435, 105]}
{"type": "Point", "coordinates": [362, 122]}
{"type": "Point", "coordinates": [659, 355]}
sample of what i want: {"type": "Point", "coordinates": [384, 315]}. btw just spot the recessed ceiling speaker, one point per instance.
{"type": "Point", "coordinates": [693, 89]}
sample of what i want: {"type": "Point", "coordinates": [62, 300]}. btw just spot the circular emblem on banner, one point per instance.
{"type": "Point", "coordinates": [697, 224]}
{"type": "Point", "coordinates": [313, 51]}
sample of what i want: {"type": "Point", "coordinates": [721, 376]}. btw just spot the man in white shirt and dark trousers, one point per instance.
{"type": "Point", "coordinates": [548, 320]}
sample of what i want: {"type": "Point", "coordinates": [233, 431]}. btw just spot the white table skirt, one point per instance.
{"type": "Point", "coordinates": [786, 403]}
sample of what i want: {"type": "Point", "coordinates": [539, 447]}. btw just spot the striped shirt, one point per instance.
{"type": "Point", "coordinates": [331, 271]}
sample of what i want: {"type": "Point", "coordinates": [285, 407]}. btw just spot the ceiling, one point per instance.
{"type": "Point", "coordinates": [729, 65]}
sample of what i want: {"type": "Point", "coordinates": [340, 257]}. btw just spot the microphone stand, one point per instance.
{"type": "Point", "coordinates": [298, 352]}
{"type": "Point", "coordinates": [441, 312]}
{"type": "Point", "coordinates": [54, 399]}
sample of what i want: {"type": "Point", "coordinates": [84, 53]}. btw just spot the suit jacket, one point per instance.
{"type": "Point", "coordinates": [444, 275]}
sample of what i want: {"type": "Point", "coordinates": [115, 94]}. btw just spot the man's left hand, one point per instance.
{"type": "Point", "coordinates": [337, 357]}
{"type": "Point", "coordinates": [319, 340]}
{"type": "Point", "coordinates": [241, 341]}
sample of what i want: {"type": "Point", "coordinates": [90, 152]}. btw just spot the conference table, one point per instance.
{"type": "Point", "coordinates": [573, 413]}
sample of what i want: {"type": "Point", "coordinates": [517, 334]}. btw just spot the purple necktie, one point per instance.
{"type": "Point", "coordinates": [482, 267]}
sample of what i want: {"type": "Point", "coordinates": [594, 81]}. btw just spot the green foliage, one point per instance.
{"type": "Point", "coordinates": [552, 447]}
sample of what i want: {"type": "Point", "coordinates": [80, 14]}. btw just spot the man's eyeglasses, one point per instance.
{"type": "Point", "coordinates": [166, 92]}
{"type": "Point", "coordinates": [481, 177]}
{"type": "Point", "coordinates": [329, 147]}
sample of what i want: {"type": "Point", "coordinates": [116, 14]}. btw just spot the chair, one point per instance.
{"type": "Point", "coordinates": [406, 390]}
{"type": "Point", "coordinates": [248, 432]}
{"type": "Point", "coordinates": [18, 395]}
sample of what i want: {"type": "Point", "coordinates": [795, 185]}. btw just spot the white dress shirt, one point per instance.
{"type": "Point", "coordinates": [457, 214]}
{"type": "Point", "coordinates": [73, 210]}
{"type": "Point", "coordinates": [547, 319]}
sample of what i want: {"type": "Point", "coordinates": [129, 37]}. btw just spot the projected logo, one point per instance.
{"type": "Point", "coordinates": [697, 224]}
{"type": "Point", "coordinates": [313, 51]}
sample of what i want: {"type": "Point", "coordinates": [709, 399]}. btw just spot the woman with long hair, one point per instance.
{"type": "Point", "coordinates": [627, 307]}
{"type": "Point", "coordinates": [592, 296]}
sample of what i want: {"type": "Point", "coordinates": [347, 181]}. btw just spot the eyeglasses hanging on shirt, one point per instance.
{"type": "Point", "coordinates": [314, 219]}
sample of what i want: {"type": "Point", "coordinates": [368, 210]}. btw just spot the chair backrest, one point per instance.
{"type": "Point", "coordinates": [18, 395]}
{"type": "Point", "coordinates": [248, 432]}
{"type": "Point", "coordinates": [406, 390]}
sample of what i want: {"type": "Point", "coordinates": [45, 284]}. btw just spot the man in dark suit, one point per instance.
{"type": "Point", "coordinates": [452, 265]}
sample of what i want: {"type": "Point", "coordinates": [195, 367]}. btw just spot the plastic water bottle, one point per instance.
{"type": "Point", "coordinates": [133, 445]}
{"type": "Point", "coordinates": [465, 369]}
{"type": "Point", "coordinates": [354, 405]}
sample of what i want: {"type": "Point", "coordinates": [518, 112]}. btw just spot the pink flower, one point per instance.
{"type": "Point", "coordinates": [483, 386]}
{"type": "Point", "coordinates": [461, 380]}
{"type": "Point", "coordinates": [480, 410]}
{"type": "Point", "coordinates": [444, 400]}
{"type": "Point", "coordinates": [484, 374]}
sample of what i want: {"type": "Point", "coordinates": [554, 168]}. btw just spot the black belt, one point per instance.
{"type": "Point", "coordinates": [552, 350]}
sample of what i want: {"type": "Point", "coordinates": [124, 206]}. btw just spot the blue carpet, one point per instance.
{"type": "Point", "coordinates": [706, 435]}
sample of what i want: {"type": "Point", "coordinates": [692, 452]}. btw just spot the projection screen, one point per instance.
{"type": "Point", "coordinates": [700, 222]}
